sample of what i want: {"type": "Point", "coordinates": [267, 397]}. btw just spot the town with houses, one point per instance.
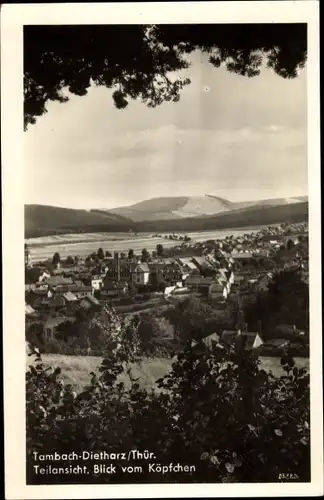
{"type": "Point", "coordinates": [216, 271]}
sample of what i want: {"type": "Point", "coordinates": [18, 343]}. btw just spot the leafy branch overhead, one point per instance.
{"type": "Point", "coordinates": [140, 61]}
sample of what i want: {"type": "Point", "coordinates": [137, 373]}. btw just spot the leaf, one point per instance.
{"type": "Point", "coordinates": [251, 427]}
{"type": "Point", "coordinates": [237, 461]}
{"type": "Point", "coordinates": [304, 441]}
{"type": "Point", "coordinates": [43, 411]}
{"type": "Point", "coordinates": [278, 432]}
{"type": "Point", "coordinates": [204, 456]}
{"type": "Point", "coordinates": [229, 467]}
{"type": "Point", "coordinates": [214, 460]}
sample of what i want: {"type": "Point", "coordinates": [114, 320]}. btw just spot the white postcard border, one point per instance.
{"type": "Point", "coordinates": [12, 20]}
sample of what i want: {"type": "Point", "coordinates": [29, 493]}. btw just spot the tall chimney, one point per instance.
{"type": "Point", "coordinates": [118, 266]}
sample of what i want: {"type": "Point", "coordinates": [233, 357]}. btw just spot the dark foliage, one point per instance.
{"type": "Point", "coordinates": [194, 319]}
{"type": "Point", "coordinates": [217, 411]}
{"type": "Point", "coordinates": [56, 259]}
{"type": "Point", "coordinates": [100, 254]}
{"type": "Point", "coordinates": [136, 61]}
{"type": "Point", "coordinates": [286, 302]}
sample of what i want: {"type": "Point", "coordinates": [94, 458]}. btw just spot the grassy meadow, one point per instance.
{"type": "Point", "coordinates": [76, 369]}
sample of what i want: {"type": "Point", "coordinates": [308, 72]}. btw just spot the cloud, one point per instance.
{"type": "Point", "coordinates": [241, 136]}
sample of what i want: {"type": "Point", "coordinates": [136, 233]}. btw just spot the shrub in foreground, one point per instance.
{"type": "Point", "coordinates": [217, 411]}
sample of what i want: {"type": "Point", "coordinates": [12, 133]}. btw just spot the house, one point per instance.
{"type": "Point", "coordinates": [262, 252]}
{"type": "Point", "coordinates": [113, 288]}
{"type": "Point", "coordinates": [171, 273]}
{"type": "Point", "coordinates": [70, 297]}
{"type": "Point", "coordinates": [242, 258]}
{"type": "Point", "coordinates": [82, 291]}
{"type": "Point", "coordinates": [89, 302]}
{"type": "Point", "coordinates": [240, 278]}
{"type": "Point", "coordinates": [39, 303]}
{"type": "Point", "coordinates": [79, 283]}
{"type": "Point", "coordinates": [212, 260]}
{"type": "Point", "coordinates": [250, 340]}
{"type": "Point", "coordinates": [39, 293]}
{"type": "Point", "coordinates": [51, 325]}
{"type": "Point", "coordinates": [96, 282]}
{"type": "Point", "coordinates": [62, 289]}
{"type": "Point", "coordinates": [118, 272]}
{"type": "Point", "coordinates": [141, 274]}
{"type": "Point", "coordinates": [118, 269]}
{"type": "Point", "coordinates": [217, 291]}
{"type": "Point", "coordinates": [57, 302]}
{"type": "Point", "coordinates": [54, 281]}
{"type": "Point", "coordinates": [43, 276]}
{"type": "Point", "coordinates": [42, 286]}
{"type": "Point", "coordinates": [202, 264]}
{"type": "Point", "coordinates": [210, 341]}
{"type": "Point", "coordinates": [84, 276]}
{"type": "Point", "coordinates": [187, 264]}
{"type": "Point", "coordinates": [198, 283]}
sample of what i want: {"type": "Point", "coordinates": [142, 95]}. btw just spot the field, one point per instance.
{"type": "Point", "coordinates": [83, 244]}
{"type": "Point", "coordinates": [76, 369]}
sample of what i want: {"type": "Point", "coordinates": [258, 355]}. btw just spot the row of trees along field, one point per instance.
{"type": "Point", "coordinates": [285, 251]}
{"type": "Point", "coordinates": [101, 255]}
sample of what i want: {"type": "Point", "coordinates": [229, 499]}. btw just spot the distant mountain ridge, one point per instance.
{"type": "Point", "coordinates": [258, 215]}
{"type": "Point", "coordinates": [169, 208]}
{"type": "Point", "coordinates": [194, 213]}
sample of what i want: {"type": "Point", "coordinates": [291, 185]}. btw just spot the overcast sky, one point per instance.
{"type": "Point", "coordinates": [231, 136]}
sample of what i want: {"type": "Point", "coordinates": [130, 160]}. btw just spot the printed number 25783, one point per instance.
{"type": "Point", "coordinates": [286, 476]}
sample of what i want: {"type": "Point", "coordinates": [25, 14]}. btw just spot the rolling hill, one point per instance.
{"type": "Point", "coordinates": [183, 207]}
{"type": "Point", "coordinates": [173, 208]}
{"type": "Point", "coordinates": [250, 216]}
{"type": "Point", "coordinates": [41, 220]}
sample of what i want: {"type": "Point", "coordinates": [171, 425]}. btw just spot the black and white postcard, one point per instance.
{"type": "Point", "coordinates": [162, 250]}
